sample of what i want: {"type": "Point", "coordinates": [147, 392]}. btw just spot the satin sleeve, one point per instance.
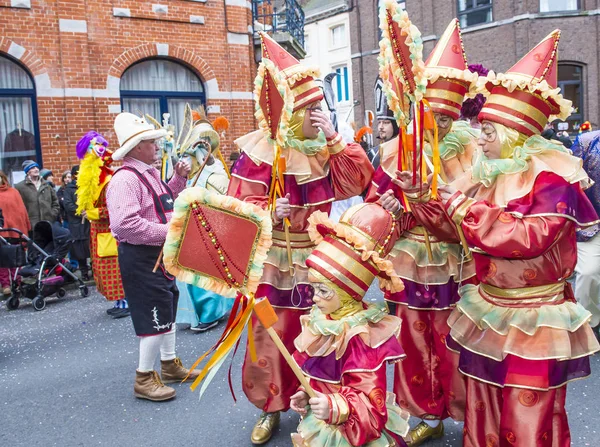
{"type": "Point", "coordinates": [247, 191]}
{"type": "Point", "coordinates": [506, 235]}
{"type": "Point", "coordinates": [432, 215]}
{"type": "Point", "coordinates": [365, 395]}
{"type": "Point", "coordinates": [350, 168]}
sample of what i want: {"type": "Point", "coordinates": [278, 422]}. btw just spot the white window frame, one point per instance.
{"type": "Point", "coordinates": [344, 42]}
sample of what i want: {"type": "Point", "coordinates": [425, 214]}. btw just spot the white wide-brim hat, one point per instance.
{"type": "Point", "coordinates": [132, 130]}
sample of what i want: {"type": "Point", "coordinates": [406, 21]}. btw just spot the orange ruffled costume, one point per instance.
{"type": "Point", "coordinates": [317, 172]}
{"type": "Point", "coordinates": [521, 335]}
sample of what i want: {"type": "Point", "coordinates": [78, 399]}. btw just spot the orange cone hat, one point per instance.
{"type": "Point", "coordinates": [526, 97]}
{"type": "Point", "coordinates": [447, 72]}
{"type": "Point", "coordinates": [282, 86]}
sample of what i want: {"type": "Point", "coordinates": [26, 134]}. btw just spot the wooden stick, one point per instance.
{"type": "Point", "coordinates": [291, 362]}
{"type": "Point", "coordinates": [428, 245]}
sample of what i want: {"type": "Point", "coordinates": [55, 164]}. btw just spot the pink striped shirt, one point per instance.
{"type": "Point", "coordinates": [133, 217]}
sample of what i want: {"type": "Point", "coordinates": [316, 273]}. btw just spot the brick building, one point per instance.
{"type": "Point", "coordinates": [71, 65]}
{"type": "Point", "coordinates": [496, 33]}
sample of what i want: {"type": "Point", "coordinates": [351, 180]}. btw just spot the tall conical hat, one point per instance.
{"type": "Point", "coordinates": [526, 97]}
{"type": "Point", "coordinates": [449, 79]}
{"type": "Point", "coordinates": [282, 86]}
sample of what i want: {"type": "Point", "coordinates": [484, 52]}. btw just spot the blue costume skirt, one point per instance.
{"type": "Point", "coordinates": [200, 306]}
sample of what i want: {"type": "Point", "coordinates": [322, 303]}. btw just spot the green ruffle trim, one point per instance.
{"type": "Point", "coordinates": [455, 141]}
{"type": "Point", "coordinates": [418, 251]}
{"type": "Point", "coordinates": [485, 170]}
{"type": "Point", "coordinates": [568, 316]}
{"type": "Point", "coordinates": [318, 322]}
{"type": "Point", "coordinates": [318, 433]}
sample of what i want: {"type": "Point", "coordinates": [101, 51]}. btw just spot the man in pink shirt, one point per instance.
{"type": "Point", "coordinates": [140, 205]}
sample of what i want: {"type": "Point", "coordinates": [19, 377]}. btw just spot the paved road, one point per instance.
{"type": "Point", "coordinates": [66, 378]}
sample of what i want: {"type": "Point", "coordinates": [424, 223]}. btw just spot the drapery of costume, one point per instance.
{"type": "Point", "coordinates": [521, 328]}
{"type": "Point", "coordinates": [337, 172]}
{"type": "Point", "coordinates": [429, 386]}
{"type": "Point", "coordinates": [347, 359]}
{"type": "Point", "coordinates": [107, 273]}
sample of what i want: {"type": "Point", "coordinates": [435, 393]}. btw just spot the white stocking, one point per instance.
{"type": "Point", "coordinates": [167, 348]}
{"type": "Point", "coordinates": [149, 349]}
{"type": "Point", "coordinates": [434, 423]}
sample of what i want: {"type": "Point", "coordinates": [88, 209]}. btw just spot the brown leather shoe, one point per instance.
{"type": "Point", "coordinates": [263, 430]}
{"type": "Point", "coordinates": [173, 371]}
{"type": "Point", "coordinates": [149, 386]}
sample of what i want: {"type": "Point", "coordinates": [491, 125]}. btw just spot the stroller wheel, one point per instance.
{"type": "Point", "coordinates": [61, 293]}
{"type": "Point", "coordinates": [39, 303]}
{"type": "Point", "coordinates": [12, 303]}
{"type": "Point", "coordinates": [84, 291]}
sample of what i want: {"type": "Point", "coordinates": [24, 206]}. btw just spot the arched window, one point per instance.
{"type": "Point", "coordinates": [570, 81]}
{"type": "Point", "coordinates": [159, 86]}
{"type": "Point", "coordinates": [19, 132]}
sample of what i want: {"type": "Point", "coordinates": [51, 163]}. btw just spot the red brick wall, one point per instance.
{"type": "Point", "coordinates": [61, 60]}
{"type": "Point", "coordinates": [497, 47]}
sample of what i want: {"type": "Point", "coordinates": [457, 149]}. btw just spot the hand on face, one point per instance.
{"type": "Point", "coordinates": [283, 208]}
{"type": "Point", "coordinates": [320, 121]}
{"type": "Point", "coordinates": [299, 402]}
{"type": "Point", "coordinates": [319, 405]}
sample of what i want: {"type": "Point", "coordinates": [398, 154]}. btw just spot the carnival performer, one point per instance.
{"type": "Point", "coordinates": [94, 175]}
{"type": "Point", "coordinates": [298, 159]}
{"type": "Point", "coordinates": [345, 344]}
{"type": "Point", "coordinates": [521, 335]}
{"type": "Point", "coordinates": [203, 309]}
{"type": "Point", "coordinates": [429, 384]}
{"type": "Point", "coordinates": [140, 206]}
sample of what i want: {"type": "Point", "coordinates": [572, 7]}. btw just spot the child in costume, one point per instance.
{"type": "Point", "coordinates": [428, 385]}
{"type": "Point", "coordinates": [294, 165]}
{"type": "Point", "coordinates": [345, 344]}
{"type": "Point", "coordinates": [94, 175]}
{"type": "Point", "coordinates": [521, 335]}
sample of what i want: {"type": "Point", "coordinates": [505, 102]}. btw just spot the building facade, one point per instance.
{"type": "Point", "coordinates": [327, 46]}
{"type": "Point", "coordinates": [70, 66]}
{"type": "Point", "coordinates": [496, 34]}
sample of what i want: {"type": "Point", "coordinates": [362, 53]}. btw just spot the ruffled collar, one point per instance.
{"type": "Point", "coordinates": [501, 181]}
{"type": "Point", "coordinates": [321, 336]}
{"type": "Point", "coordinates": [304, 166]}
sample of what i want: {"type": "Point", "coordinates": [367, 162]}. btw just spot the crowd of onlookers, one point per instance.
{"type": "Point", "coordinates": [36, 199]}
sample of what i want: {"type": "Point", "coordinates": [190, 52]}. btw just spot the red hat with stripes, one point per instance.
{"type": "Point", "coordinates": [448, 74]}
{"type": "Point", "coordinates": [526, 97]}
{"type": "Point", "coordinates": [352, 253]}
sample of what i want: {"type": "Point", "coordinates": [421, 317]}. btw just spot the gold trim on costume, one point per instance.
{"type": "Point", "coordinates": [512, 118]}
{"type": "Point", "coordinates": [519, 106]}
{"type": "Point", "coordinates": [462, 210]}
{"type": "Point", "coordinates": [439, 105]}
{"type": "Point", "coordinates": [338, 275]}
{"type": "Point", "coordinates": [524, 293]}
{"type": "Point", "coordinates": [443, 94]}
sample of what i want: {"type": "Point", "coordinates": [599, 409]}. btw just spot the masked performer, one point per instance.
{"type": "Point", "coordinates": [521, 335]}
{"type": "Point", "coordinates": [429, 385]}
{"type": "Point", "coordinates": [345, 343]}
{"type": "Point", "coordinates": [94, 175]}
{"type": "Point", "coordinates": [201, 308]}
{"type": "Point", "coordinates": [297, 164]}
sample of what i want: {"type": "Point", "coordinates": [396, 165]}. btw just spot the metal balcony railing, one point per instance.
{"type": "Point", "coordinates": [278, 16]}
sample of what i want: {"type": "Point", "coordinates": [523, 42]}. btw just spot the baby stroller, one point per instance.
{"type": "Point", "coordinates": [41, 270]}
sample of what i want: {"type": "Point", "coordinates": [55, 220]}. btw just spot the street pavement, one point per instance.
{"type": "Point", "coordinates": [66, 379]}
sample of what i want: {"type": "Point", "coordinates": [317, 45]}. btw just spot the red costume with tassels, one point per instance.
{"type": "Point", "coordinates": [314, 173]}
